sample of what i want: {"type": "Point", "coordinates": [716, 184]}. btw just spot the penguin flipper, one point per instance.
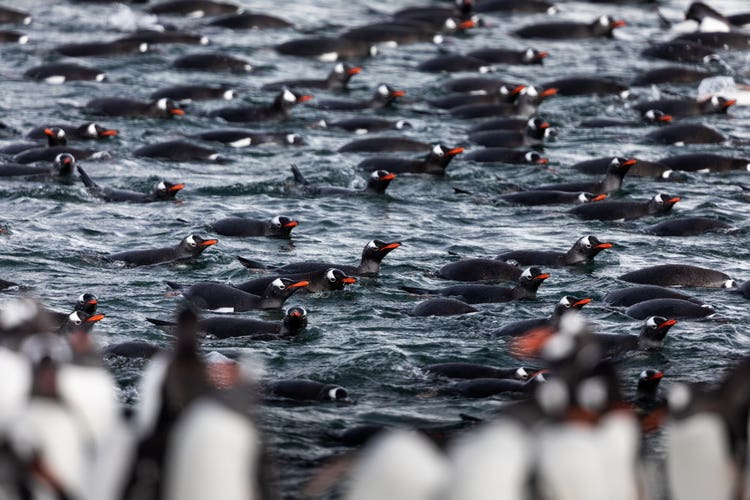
{"type": "Point", "coordinates": [251, 264]}
{"type": "Point", "coordinates": [417, 291]}
{"type": "Point", "coordinates": [87, 181]}
{"type": "Point", "coordinates": [174, 286]}
{"type": "Point", "coordinates": [161, 322]}
{"type": "Point", "coordinates": [298, 177]}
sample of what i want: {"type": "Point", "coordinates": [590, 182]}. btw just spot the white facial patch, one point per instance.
{"type": "Point", "coordinates": [339, 68]}
{"type": "Point", "coordinates": [289, 97]}
{"type": "Point", "coordinates": [438, 151]}
{"type": "Point", "coordinates": [74, 318]}
{"type": "Point", "coordinates": [531, 91]}
{"type": "Point", "coordinates": [715, 101]}
{"type": "Point", "coordinates": [143, 47]}
{"type": "Point", "coordinates": [586, 242]}
{"type": "Point", "coordinates": [526, 274]}
{"type": "Point", "coordinates": [276, 221]}
{"type": "Point", "coordinates": [371, 245]}
{"type": "Point", "coordinates": [291, 138]}
{"type": "Point", "coordinates": [81, 298]}
{"type": "Point", "coordinates": [729, 284]}
{"type": "Point", "coordinates": [242, 143]}
{"type": "Point", "coordinates": [377, 174]}
{"type": "Point", "coordinates": [583, 198]}
{"type": "Point", "coordinates": [331, 276]}
{"type": "Point", "coordinates": [651, 322]}
{"type": "Point", "coordinates": [383, 90]}
{"type": "Point", "coordinates": [228, 95]}
{"type": "Point", "coordinates": [658, 199]}
{"type": "Point", "coordinates": [522, 374]}
{"type": "Point", "coordinates": [279, 284]}
{"type": "Point", "coordinates": [565, 302]}
{"type": "Point", "coordinates": [91, 130]}
{"type": "Point", "coordinates": [529, 54]}
{"type": "Point", "coordinates": [605, 20]}
{"type": "Point", "coordinates": [450, 24]}
{"type": "Point", "coordinates": [23, 39]}
{"type": "Point", "coordinates": [162, 104]}
{"type": "Point", "coordinates": [190, 240]}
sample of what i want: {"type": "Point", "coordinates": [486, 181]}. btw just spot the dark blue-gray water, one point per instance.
{"type": "Point", "coordinates": [360, 338]}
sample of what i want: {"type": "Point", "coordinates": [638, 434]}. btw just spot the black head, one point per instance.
{"type": "Point", "coordinates": [93, 130]}
{"type": "Point", "coordinates": [620, 166]}
{"type": "Point", "coordinates": [655, 329]}
{"type": "Point", "coordinates": [332, 392]}
{"type": "Point", "coordinates": [699, 10]}
{"type": "Point", "coordinates": [656, 116]}
{"type": "Point", "coordinates": [442, 155]}
{"type": "Point", "coordinates": [379, 181]}
{"type": "Point", "coordinates": [336, 279]}
{"type": "Point", "coordinates": [65, 163]}
{"type": "Point", "coordinates": [166, 190]}
{"type": "Point", "coordinates": [80, 320]}
{"type": "Point", "coordinates": [537, 128]}
{"type": "Point", "coordinates": [281, 226]}
{"type": "Point", "coordinates": [342, 73]}
{"type": "Point", "coordinates": [509, 91]}
{"type": "Point", "coordinates": [87, 303]}
{"type": "Point", "coordinates": [55, 136]}
{"type": "Point", "coordinates": [287, 99]}
{"type": "Point", "coordinates": [533, 56]}
{"type": "Point", "coordinates": [295, 320]}
{"type": "Point", "coordinates": [168, 107]}
{"type": "Point", "coordinates": [533, 95]}
{"type": "Point", "coordinates": [662, 202]}
{"type": "Point", "coordinates": [648, 381]}
{"type": "Point", "coordinates": [283, 288]}
{"type": "Point", "coordinates": [587, 247]}
{"type": "Point", "coordinates": [605, 25]}
{"type": "Point", "coordinates": [376, 250]}
{"type": "Point", "coordinates": [194, 244]}
{"type": "Point", "coordinates": [385, 95]}
{"type": "Point", "coordinates": [532, 278]}
{"type": "Point", "coordinates": [535, 158]}
{"type": "Point", "coordinates": [569, 303]}
{"type": "Point", "coordinates": [717, 104]}
{"type": "Point", "coordinates": [589, 197]}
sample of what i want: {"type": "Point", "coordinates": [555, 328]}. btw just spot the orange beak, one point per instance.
{"type": "Point", "coordinates": [630, 162]}
{"type": "Point", "coordinates": [398, 93]}
{"type": "Point", "coordinates": [353, 71]}
{"type": "Point", "coordinates": [542, 161]}
{"type": "Point", "coordinates": [657, 375]}
{"type": "Point", "coordinates": [176, 111]}
{"type": "Point", "coordinates": [544, 125]}
{"type": "Point", "coordinates": [454, 151]}
{"type": "Point", "coordinates": [599, 197]}
{"type": "Point", "coordinates": [665, 118]}
{"type": "Point", "coordinates": [618, 24]}
{"type": "Point", "coordinates": [208, 243]}
{"type": "Point", "coordinates": [349, 280]}
{"type": "Point", "coordinates": [292, 223]}
{"type": "Point", "coordinates": [669, 322]}
{"type": "Point", "coordinates": [176, 187]}
{"type": "Point", "coordinates": [543, 276]}
{"type": "Point", "coordinates": [299, 284]}
{"type": "Point", "coordinates": [49, 132]}
{"type": "Point", "coordinates": [388, 177]}
{"type": "Point", "coordinates": [730, 102]}
{"type": "Point", "coordinates": [108, 132]}
{"type": "Point", "coordinates": [304, 98]}
{"type": "Point", "coordinates": [464, 25]}
{"type": "Point", "coordinates": [542, 54]}
{"type": "Point", "coordinates": [549, 92]}
{"type": "Point", "coordinates": [582, 302]}
{"type": "Point", "coordinates": [296, 314]}
{"type": "Point", "coordinates": [95, 318]}
{"type": "Point", "coordinates": [674, 200]}
{"type": "Point", "coordinates": [604, 245]}
{"type": "Point", "coordinates": [391, 246]}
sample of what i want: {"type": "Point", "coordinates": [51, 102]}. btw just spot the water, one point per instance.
{"type": "Point", "coordinates": [359, 338]}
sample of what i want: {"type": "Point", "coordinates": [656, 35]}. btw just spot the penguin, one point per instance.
{"type": "Point", "coordinates": [651, 337]}
{"type": "Point", "coordinates": [599, 166]}
{"type": "Point", "coordinates": [534, 198]}
{"type": "Point", "coordinates": [679, 108]}
{"type": "Point", "coordinates": [242, 138]}
{"type": "Point", "coordinates": [669, 74]}
{"type": "Point", "coordinates": [672, 308]}
{"type": "Point", "coordinates": [441, 307]}
{"type": "Point", "coordinates": [101, 49]}
{"type": "Point", "coordinates": [462, 10]}
{"type": "Point", "coordinates": [717, 40]}
{"type": "Point", "coordinates": [680, 51]}
{"type": "Point", "coordinates": [506, 56]}
{"type": "Point", "coordinates": [625, 210]}
{"type": "Point", "coordinates": [250, 21]}
{"type": "Point", "coordinates": [279, 109]}
{"type": "Point", "coordinates": [189, 247]}
{"type": "Point", "coordinates": [121, 106]}
{"type": "Point", "coordinates": [743, 289]}
{"type": "Point", "coordinates": [377, 183]}
{"type": "Point", "coordinates": [188, 93]}
{"type": "Point", "coordinates": [277, 227]}
{"type": "Point", "coordinates": [179, 151]}
{"type": "Point", "coordinates": [62, 168]}
{"type": "Point", "coordinates": [307, 390]}
{"type": "Point", "coordinates": [86, 303]}
{"type": "Point", "coordinates": [477, 85]}
{"type": "Point", "coordinates": [435, 163]}
{"type": "Point", "coordinates": [327, 48]}
{"type": "Point", "coordinates": [629, 296]}
{"type": "Point", "coordinates": [652, 116]}
{"type": "Point", "coordinates": [688, 226]}
{"type": "Point", "coordinates": [489, 387]}
{"type": "Point", "coordinates": [500, 95]}
{"type": "Point", "coordinates": [166, 36]}
{"type": "Point", "coordinates": [224, 298]}
{"type": "Point", "coordinates": [80, 321]}
{"type": "Point", "coordinates": [536, 131]}
{"type": "Point", "coordinates": [473, 370]}
{"type": "Point", "coordinates": [503, 123]}
{"type": "Point", "coordinates": [519, 328]}
{"type": "Point", "coordinates": [453, 63]}
{"type": "Point", "coordinates": [526, 288]}
{"type": "Point", "coordinates": [372, 255]}
{"type": "Point", "coordinates": [10, 15]}
{"type": "Point", "coordinates": [705, 162]}
{"type": "Point", "coordinates": [679, 275]}
{"type": "Point", "coordinates": [222, 327]}
{"type": "Point", "coordinates": [163, 191]}
{"type": "Point", "coordinates": [613, 178]}
{"type": "Point", "coordinates": [603, 26]}
{"type": "Point", "coordinates": [85, 131]}
{"type": "Point", "coordinates": [479, 270]}
{"type": "Point", "coordinates": [647, 397]}
{"type": "Point", "coordinates": [707, 18]}
{"type": "Point", "coordinates": [131, 349]}
{"type": "Point", "coordinates": [586, 85]}
{"type": "Point", "coordinates": [384, 96]}
{"type": "Point", "coordinates": [65, 72]}
{"type": "Point", "coordinates": [525, 104]}
{"type": "Point", "coordinates": [515, 7]}
{"type": "Point", "coordinates": [323, 280]}
{"type": "Point", "coordinates": [583, 250]}
{"type": "Point", "coordinates": [364, 124]}
{"type": "Point", "coordinates": [193, 8]}
{"type": "Point", "coordinates": [506, 155]}
{"type": "Point", "coordinates": [337, 79]}
{"type": "Point", "coordinates": [212, 62]}
{"type": "Point", "coordinates": [406, 31]}
{"type": "Point", "coordinates": [375, 144]}
{"type": "Point", "coordinates": [57, 144]}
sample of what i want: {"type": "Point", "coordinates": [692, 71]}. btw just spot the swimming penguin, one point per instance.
{"type": "Point", "coordinates": [454, 63]}
{"type": "Point", "coordinates": [441, 307]}
{"type": "Point", "coordinates": [190, 93]}
{"type": "Point", "coordinates": [599, 166]}
{"type": "Point", "coordinates": [670, 74]}
{"type": "Point", "coordinates": [602, 26]}
{"type": "Point", "coordinates": [625, 210]}
{"type": "Point", "coordinates": [276, 227]}
{"type": "Point", "coordinates": [80, 321]}
{"type": "Point", "coordinates": [477, 84]}
{"type": "Point", "coordinates": [364, 124]}
{"type": "Point", "coordinates": [473, 370]}
{"type": "Point", "coordinates": [679, 108]}
{"type": "Point", "coordinates": [506, 155]}
{"type": "Point", "coordinates": [688, 226]}
{"type": "Point", "coordinates": [86, 303]}
{"type": "Point", "coordinates": [670, 308]}
{"type": "Point", "coordinates": [375, 144]}
{"type": "Point", "coordinates": [705, 162]}
{"type": "Point", "coordinates": [224, 298]}
{"type": "Point", "coordinates": [652, 116]}
{"type": "Point", "coordinates": [537, 129]}
{"type": "Point", "coordinates": [526, 288]}
{"type": "Point", "coordinates": [707, 18]}
{"type": "Point", "coordinates": [279, 109]}
{"type": "Point", "coordinates": [222, 327]}
{"type": "Point", "coordinates": [488, 387]}
{"type": "Point", "coordinates": [323, 280]}
{"type": "Point", "coordinates": [479, 270]}
{"type": "Point", "coordinates": [57, 144]}
{"type": "Point", "coordinates": [120, 106]}
{"type": "Point", "coordinates": [327, 48]}
{"type": "Point", "coordinates": [680, 51]}
{"type": "Point", "coordinates": [587, 85]}
{"type": "Point", "coordinates": [132, 349]}
{"type": "Point", "coordinates": [163, 191]}
{"type": "Point", "coordinates": [337, 79]}
{"type": "Point", "coordinates": [164, 36]}
{"type": "Point", "coordinates": [307, 390]}
{"type": "Point", "coordinates": [628, 296]}
{"type": "Point", "coordinates": [102, 49]}
{"type": "Point", "coordinates": [652, 335]}
{"type": "Point", "coordinates": [384, 96]}
{"type": "Point", "coordinates": [8, 36]}
{"type": "Point", "coordinates": [62, 168]}
{"type": "Point", "coordinates": [250, 21]}
{"type": "Point", "coordinates": [406, 31]}
{"type": "Point", "coordinates": [518, 328]}
{"type": "Point", "coordinates": [583, 250]}
{"type": "Point", "coordinates": [434, 163]}
{"type": "Point", "coordinates": [462, 10]}
{"type": "Point", "coordinates": [526, 103]}
{"type": "Point", "coordinates": [505, 56]}
{"type": "Point", "coordinates": [377, 183]}
{"type": "Point", "coordinates": [679, 275]}
{"type": "Point", "coordinates": [65, 72]}
{"type": "Point", "coordinates": [212, 62]}
{"type": "Point", "coordinates": [190, 247]}
{"type": "Point", "coordinates": [372, 255]}
{"type": "Point", "coordinates": [85, 131]}
{"type": "Point", "coordinates": [10, 15]}
{"type": "Point", "coordinates": [179, 151]}
{"type": "Point", "coordinates": [647, 396]}
{"type": "Point", "coordinates": [534, 198]}
{"type": "Point", "coordinates": [243, 138]}
{"type": "Point", "coordinates": [612, 181]}
{"type": "Point", "coordinates": [717, 40]}
{"type": "Point", "coordinates": [504, 123]}
{"type": "Point", "coordinates": [502, 94]}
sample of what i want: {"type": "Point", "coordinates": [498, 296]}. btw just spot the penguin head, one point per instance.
{"type": "Point", "coordinates": [169, 107]}
{"type": "Point", "coordinates": [87, 303]}
{"type": "Point", "coordinates": [605, 25]}
{"type": "Point", "coordinates": [663, 202]}
{"type": "Point", "coordinates": [281, 226]}
{"type": "Point", "coordinates": [93, 130]}
{"type": "Point", "coordinates": [620, 166]}
{"type": "Point", "coordinates": [537, 128]}
{"type": "Point", "coordinates": [655, 329]}
{"type": "Point", "coordinates": [344, 71]}
{"type": "Point", "coordinates": [588, 247]}
{"type": "Point", "coordinates": [532, 277]}
{"type": "Point", "coordinates": [535, 158]}
{"type": "Point", "coordinates": [656, 116]}
{"type": "Point", "coordinates": [441, 155]}
{"type": "Point", "coordinates": [589, 197]}
{"type": "Point", "coordinates": [379, 181]}
{"type": "Point", "coordinates": [717, 104]}
{"type": "Point", "coordinates": [80, 320]}
{"type": "Point", "coordinates": [376, 250]}
{"type": "Point", "coordinates": [521, 374]}
{"type": "Point", "coordinates": [570, 303]}
{"type": "Point", "coordinates": [166, 190]}
{"type": "Point", "coordinates": [336, 279]}
{"type": "Point", "coordinates": [195, 245]}
{"type": "Point", "coordinates": [284, 287]}
{"type": "Point", "coordinates": [385, 95]}
{"type": "Point", "coordinates": [287, 99]}
{"type": "Point", "coordinates": [648, 380]}
{"type": "Point", "coordinates": [335, 393]}
{"type": "Point", "coordinates": [295, 320]}
{"type": "Point", "coordinates": [65, 163]}
{"type": "Point", "coordinates": [55, 136]}
{"type": "Point", "coordinates": [533, 56]}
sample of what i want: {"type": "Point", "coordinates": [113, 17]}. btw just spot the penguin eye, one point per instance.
{"type": "Point", "coordinates": [161, 186]}
{"type": "Point", "coordinates": [277, 283]}
{"type": "Point", "coordinates": [276, 222]}
{"type": "Point", "coordinates": [190, 240]}
{"type": "Point", "coordinates": [658, 199]}
{"type": "Point", "coordinates": [75, 319]}
{"type": "Point", "coordinates": [331, 276]}
{"type": "Point", "coordinates": [585, 242]}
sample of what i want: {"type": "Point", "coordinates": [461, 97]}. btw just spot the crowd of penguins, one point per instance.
{"type": "Point", "coordinates": [195, 434]}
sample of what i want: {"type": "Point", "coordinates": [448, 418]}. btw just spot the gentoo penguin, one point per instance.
{"type": "Point", "coordinates": [705, 162]}
{"type": "Point", "coordinates": [322, 280]}
{"type": "Point", "coordinates": [80, 321]}
{"type": "Point", "coordinates": [242, 138]}
{"type": "Point", "coordinates": [383, 143]}
{"type": "Point", "coordinates": [473, 370]}
{"type": "Point", "coordinates": [307, 390]}
{"type": "Point", "coordinates": [587, 85]}
{"type": "Point", "coordinates": [488, 387]}
{"type": "Point", "coordinates": [65, 72]}
{"type": "Point", "coordinates": [10, 36]}
{"type": "Point", "coordinates": [193, 8]}
{"type": "Point", "coordinates": [121, 106]}
{"type": "Point", "coordinates": [628, 296]}
{"type": "Point", "coordinates": [533, 198]}
{"type": "Point", "coordinates": [279, 109]}
{"type": "Point", "coordinates": [506, 155]}
{"type": "Point", "coordinates": [277, 227]}
{"type": "Point", "coordinates": [85, 131]}
{"type": "Point", "coordinates": [86, 302]}
{"type": "Point", "coordinates": [479, 270]}
{"type": "Point", "coordinates": [435, 162]}
{"type": "Point", "coordinates": [179, 151]}
{"type": "Point", "coordinates": [679, 275]}
{"type": "Point", "coordinates": [602, 26]}
{"type": "Point", "coordinates": [189, 93]}
{"type": "Point", "coordinates": [224, 298]}
{"type": "Point", "coordinates": [680, 51]}
{"type": "Point", "coordinates": [338, 79]}
{"type": "Point", "coordinates": [652, 116]}
{"type": "Point", "coordinates": [477, 85]}
{"type": "Point", "coordinates": [222, 327]}
{"type": "Point", "coordinates": [250, 21]}
{"type": "Point", "coordinates": [612, 181]}
{"type": "Point", "coordinates": [706, 18]}
{"type": "Point", "coordinates": [505, 56]}
{"type": "Point", "coordinates": [688, 226]}
{"type": "Point", "coordinates": [599, 166]}
{"type": "Point", "coordinates": [652, 335]}
{"type": "Point", "coordinates": [406, 31]}
{"type": "Point", "coordinates": [327, 48]}
{"type": "Point", "coordinates": [166, 36]}
{"type": "Point", "coordinates": [62, 168]}
{"type": "Point", "coordinates": [57, 144]}
{"type": "Point", "coordinates": [672, 308]}
{"type": "Point", "coordinates": [454, 63]}
{"type": "Point", "coordinates": [625, 210]}
{"type": "Point", "coordinates": [10, 15]}
{"type": "Point", "coordinates": [384, 96]}
{"type": "Point", "coordinates": [190, 247]}
{"type": "Point", "coordinates": [102, 49]}
{"type": "Point", "coordinates": [163, 191]}
{"type": "Point", "coordinates": [364, 124]}
{"type": "Point", "coordinates": [372, 255]}
{"type": "Point", "coordinates": [518, 328]}
{"type": "Point", "coordinates": [647, 397]}
{"type": "Point", "coordinates": [583, 250]}
{"type": "Point", "coordinates": [717, 41]}
{"type": "Point", "coordinates": [377, 183]}
{"type": "Point", "coordinates": [525, 289]}
{"type": "Point", "coordinates": [441, 307]}
{"type": "Point", "coordinates": [679, 108]}
{"type": "Point", "coordinates": [537, 129]}
{"type": "Point", "coordinates": [525, 104]}
{"type": "Point", "coordinates": [212, 62]}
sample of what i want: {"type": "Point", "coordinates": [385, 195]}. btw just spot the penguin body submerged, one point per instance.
{"type": "Point", "coordinates": [191, 246]}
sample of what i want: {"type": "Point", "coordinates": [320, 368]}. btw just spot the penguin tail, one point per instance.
{"type": "Point", "coordinates": [416, 290]}
{"type": "Point", "coordinates": [87, 181]}
{"type": "Point", "coordinates": [160, 322]}
{"type": "Point", "coordinates": [251, 264]}
{"type": "Point", "coordinates": [174, 286]}
{"type": "Point", "coordinates": [298, 177]}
